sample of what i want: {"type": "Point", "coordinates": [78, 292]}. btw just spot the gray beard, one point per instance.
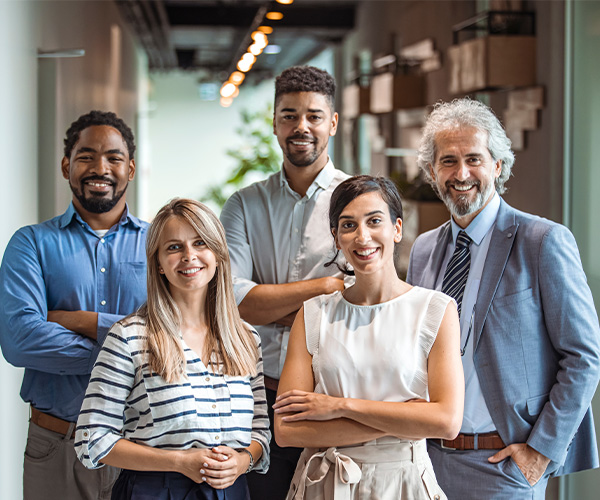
{"type": "Point", "coordinates": [461, 207]}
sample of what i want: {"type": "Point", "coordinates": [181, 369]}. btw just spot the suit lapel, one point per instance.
{"type": "Point", "coordinates": [503, 237]}
{"type": "Point", "coordinates": [436, 258]}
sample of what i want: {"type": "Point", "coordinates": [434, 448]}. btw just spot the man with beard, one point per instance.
{"type": "Point", "coordinates": [63, 283]}
{"type": "Point", "coordinates": [530, 341]}
{"type": "Point", "coordinates": [279, 239]}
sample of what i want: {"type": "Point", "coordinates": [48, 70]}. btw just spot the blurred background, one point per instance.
{"type": "Point", "coordinates": [194, 80]}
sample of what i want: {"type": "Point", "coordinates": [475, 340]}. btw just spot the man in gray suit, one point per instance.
{"type": "Point", "coordinates": [529, 330]}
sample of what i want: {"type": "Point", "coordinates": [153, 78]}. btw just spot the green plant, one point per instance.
{"type": "Point", "coordinates": [257, 158]}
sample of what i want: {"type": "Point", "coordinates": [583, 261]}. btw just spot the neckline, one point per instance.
{"type": "Point", "coordinates": [379, 304]}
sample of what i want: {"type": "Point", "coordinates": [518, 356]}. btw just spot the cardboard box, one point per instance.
{"type": "Point", "coordinates": [390, 92]}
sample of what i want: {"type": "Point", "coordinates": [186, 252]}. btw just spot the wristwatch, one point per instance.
{"type": "Point", "coordinates": [251, 464]}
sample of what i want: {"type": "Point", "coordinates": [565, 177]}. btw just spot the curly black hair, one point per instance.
{"type": "Point", "coordinates": [305, 79]}
{"type": "Point", "coordinates": [98, 118]}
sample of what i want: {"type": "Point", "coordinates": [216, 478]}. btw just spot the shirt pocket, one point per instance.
{"type": "Point", "coordinates": [169, 404]}
{"type": "Point", "coordinates": [241, 401]}
{"type": "Point", "coordinates": [132, 277]}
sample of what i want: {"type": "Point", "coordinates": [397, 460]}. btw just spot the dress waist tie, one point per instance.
{"type": "Point", "coordinates": [318, 464]}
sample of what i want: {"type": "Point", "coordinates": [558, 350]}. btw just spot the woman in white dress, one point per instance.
{"type": "Point", "coordinates": [371, 371]}
{"type": "Point", "coordinates": [176, 398]}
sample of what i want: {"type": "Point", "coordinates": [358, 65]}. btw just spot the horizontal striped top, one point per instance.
{"type": "Point", "coordinates": [125, 400]}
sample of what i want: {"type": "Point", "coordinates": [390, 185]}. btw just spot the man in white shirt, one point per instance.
{"type": "Point", "coordinates": [279, 238]}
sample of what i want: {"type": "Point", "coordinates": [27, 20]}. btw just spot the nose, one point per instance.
{"type": "Point", "coordinates": [362, 234]}
{"type": "Point", "coordinates": [301, 125]}
{"type": "Point", "coordinates": [188, 253]}
{"type": "Point", "coordinates": [101, 166]}
{"type": "Point", "coordinates": [462, 171]}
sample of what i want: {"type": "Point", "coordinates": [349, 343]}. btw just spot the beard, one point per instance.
{"type": "Point", "coordinates": [100, 203]}
{"type": "Point", "coordinates": [303, 158]}
{"type": "Point", "coordinates": [462, 205]}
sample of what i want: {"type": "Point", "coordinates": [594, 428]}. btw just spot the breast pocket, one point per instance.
{"type": "Point", "coordinates": [241, 401]}
{"type": "Point", "coordinates": [169, 402]}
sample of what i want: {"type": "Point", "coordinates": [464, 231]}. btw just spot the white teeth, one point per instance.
{"type": "Point", "coordinates": [365, 253]}
{"type": "Point", "coordinates": [300, 143]}
{"type": "Point", "coordinates": [190, 271]}
{"type": "Point", "coordinates": [463, 188]}
{"type": "Point", "coordinates": [98, 184]}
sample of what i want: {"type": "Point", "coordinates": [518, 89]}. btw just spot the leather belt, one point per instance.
{"type": "Point", "coordinates": [487, 441]}
{"type": "Point", "coordinates": [271, 383]}
{"type": "Point", "coordinates": [50, 423]}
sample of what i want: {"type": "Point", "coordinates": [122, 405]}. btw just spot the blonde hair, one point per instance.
{"type": "Point", "coordinates": [228, 337]}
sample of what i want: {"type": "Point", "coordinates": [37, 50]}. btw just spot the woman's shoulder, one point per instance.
{"type": "Point", "coordinates": [324, 300]}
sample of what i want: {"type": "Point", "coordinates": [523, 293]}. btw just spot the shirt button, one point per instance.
{"type": "Point", "coordinates": [207, 379]}
{"type": "Point", "coordinates": [85, 433]}
{"type": "Point", "coordinates": [214, 406]}
{"type": "Point", "coordinates": [295, 229]}
{"type": "Point", "coordinates": [102, 269]}
{"type": "Point", "coordinates": [103, 302]}
{"type": "Point", "coordinates": [102, 240]}
{"type": "Point", "coordinates": [217, 438]}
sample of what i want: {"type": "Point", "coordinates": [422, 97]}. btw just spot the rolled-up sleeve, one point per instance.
{"type": "Point", "coordinates": [234, 221]}
{"type": "Point", "coordinates": [100, 421]}
{"type": "Point", "coordinates": [260, 421]}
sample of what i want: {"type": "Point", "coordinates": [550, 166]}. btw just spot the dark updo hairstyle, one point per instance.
{"type": "Point", "coordinates": [351, 189]}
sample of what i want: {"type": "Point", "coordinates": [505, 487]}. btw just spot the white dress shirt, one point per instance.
{"type": "Point", "coordinates": [276, 236]}
{"type": "Point", "coordinates": [476, 418]}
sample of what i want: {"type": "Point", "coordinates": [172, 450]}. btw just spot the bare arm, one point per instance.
{"type": "Point", "coordinates": [266, 304]}
{"type": "Point", "coordinates": [297, 375]}
{"type": "Point", "coordinates": [441, 417]}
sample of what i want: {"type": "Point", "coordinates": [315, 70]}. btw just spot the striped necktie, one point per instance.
{"type": "Point", "coordinates": [457, 271]}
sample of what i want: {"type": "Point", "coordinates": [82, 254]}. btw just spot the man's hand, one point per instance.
{"type": "Point", "coordinates": [82, 322]}
{"type": "Point", "coordinates": [531, 462]}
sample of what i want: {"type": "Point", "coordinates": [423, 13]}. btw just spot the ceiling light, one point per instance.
{"type": "Point", "coordinates": [259, 36]}
{"type": "Point", "coordinates": [226, 101]}
{"type": "Point", "coordinates": [272, 49]}
{"type": "Point", "coordinates": [237, 77]}
{"type": "Point", "coordinates": [244, 66]}
{"type": "Point", "coordinates": [228, 89]}
{"type": "Point", "coordinates": [255, 49]}
{"type": "Point", "coordinates": [274, 15]}
{"type": "Point", "coordinates": [248, 58]}
{"type": "Point", "coordinates": [265, 29]}
{"type": "Point", "coordinates": [285, 2]}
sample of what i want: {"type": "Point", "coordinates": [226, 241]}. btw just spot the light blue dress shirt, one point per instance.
{"type": "Point", "coordinates": [276, 236]}
{"type": "Point", "coordinates": [476, 418]}
{"type": "Point", "coordinates": [62, 264]}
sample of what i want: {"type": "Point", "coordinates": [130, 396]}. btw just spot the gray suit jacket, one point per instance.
{"type": "Point", "coordinates": [536, 334]}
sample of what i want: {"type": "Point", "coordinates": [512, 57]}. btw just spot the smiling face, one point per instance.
{"type": "Point", "coordinates": [303, 123]}
{"type": "Point", "coordinates": [464, 172]}
{"type": "Point", "coordinates": [184, 258]}
{"type": "Point", "coordinates": [99, 170]}
{"type": "Point", "coordinates": [367, 235]}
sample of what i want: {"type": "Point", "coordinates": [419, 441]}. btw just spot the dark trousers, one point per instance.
{"type": "Point", "coordinates": [136, 485]}
{"type": "Point", "coordinates": [275, 484]}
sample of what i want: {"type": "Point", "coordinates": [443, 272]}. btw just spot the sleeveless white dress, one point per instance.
{"type": "Point", "coordinates": [378, 353]}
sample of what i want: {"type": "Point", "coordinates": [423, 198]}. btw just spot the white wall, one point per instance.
{"type": "Point", "coordinates": [188, 137]}
{"type": "Point", "coordinates": [106, 78]}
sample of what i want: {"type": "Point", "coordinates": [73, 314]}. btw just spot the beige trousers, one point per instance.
{"type": "Point", "coordinates": [51, 470]}
{"type": "Point", "coordinates": [381, 470]}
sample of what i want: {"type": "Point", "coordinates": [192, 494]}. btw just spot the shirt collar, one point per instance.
{"type": "Point", "coordinates": [322, 180]}
{"type": "Point", "coordinates": [481, 224]}
{"type": "Point", "coordinates": [71, 213]}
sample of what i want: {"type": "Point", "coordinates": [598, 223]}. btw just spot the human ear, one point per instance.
{"type": "Point", "coordinates": [64, 167]}
{"type": "Point", "coordinates": [398, 230]}
{"type": "Point", "coordinates": [335, 239]}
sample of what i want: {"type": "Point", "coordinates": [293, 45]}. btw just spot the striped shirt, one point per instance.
{"type": "Point", "coordinates": [125, 400]}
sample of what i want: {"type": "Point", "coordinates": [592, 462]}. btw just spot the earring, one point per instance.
{"type": "Point", "coordinates": [161, 270]}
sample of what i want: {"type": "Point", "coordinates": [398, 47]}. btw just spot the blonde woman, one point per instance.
{"type": "Point", "coordinates": [176, 398]}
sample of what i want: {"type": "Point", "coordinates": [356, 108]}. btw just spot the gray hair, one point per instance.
{"type": "Point", "coordinates": [466, 113]}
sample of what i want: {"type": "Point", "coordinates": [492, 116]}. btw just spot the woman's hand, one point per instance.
{"type": "Point", "coordinates": [219, 467]}
{"type": "Point", "coordinates": [308, 406]}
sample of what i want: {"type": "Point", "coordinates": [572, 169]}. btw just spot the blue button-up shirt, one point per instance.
{"type": "Point", "coordinates": [62, 264]}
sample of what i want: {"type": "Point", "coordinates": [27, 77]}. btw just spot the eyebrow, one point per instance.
{"type": "Point", "coordinates": [92, 150]}
{"type": "Point", "coordinates": [294, 110]}
{"type": "Point", "coordinates": [366, 215]}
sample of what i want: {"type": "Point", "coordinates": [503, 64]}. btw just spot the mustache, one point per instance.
{"type": "Point", "coordinates": [301, 137]}
{"type": "Point", "coordinates": [98, 178]}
